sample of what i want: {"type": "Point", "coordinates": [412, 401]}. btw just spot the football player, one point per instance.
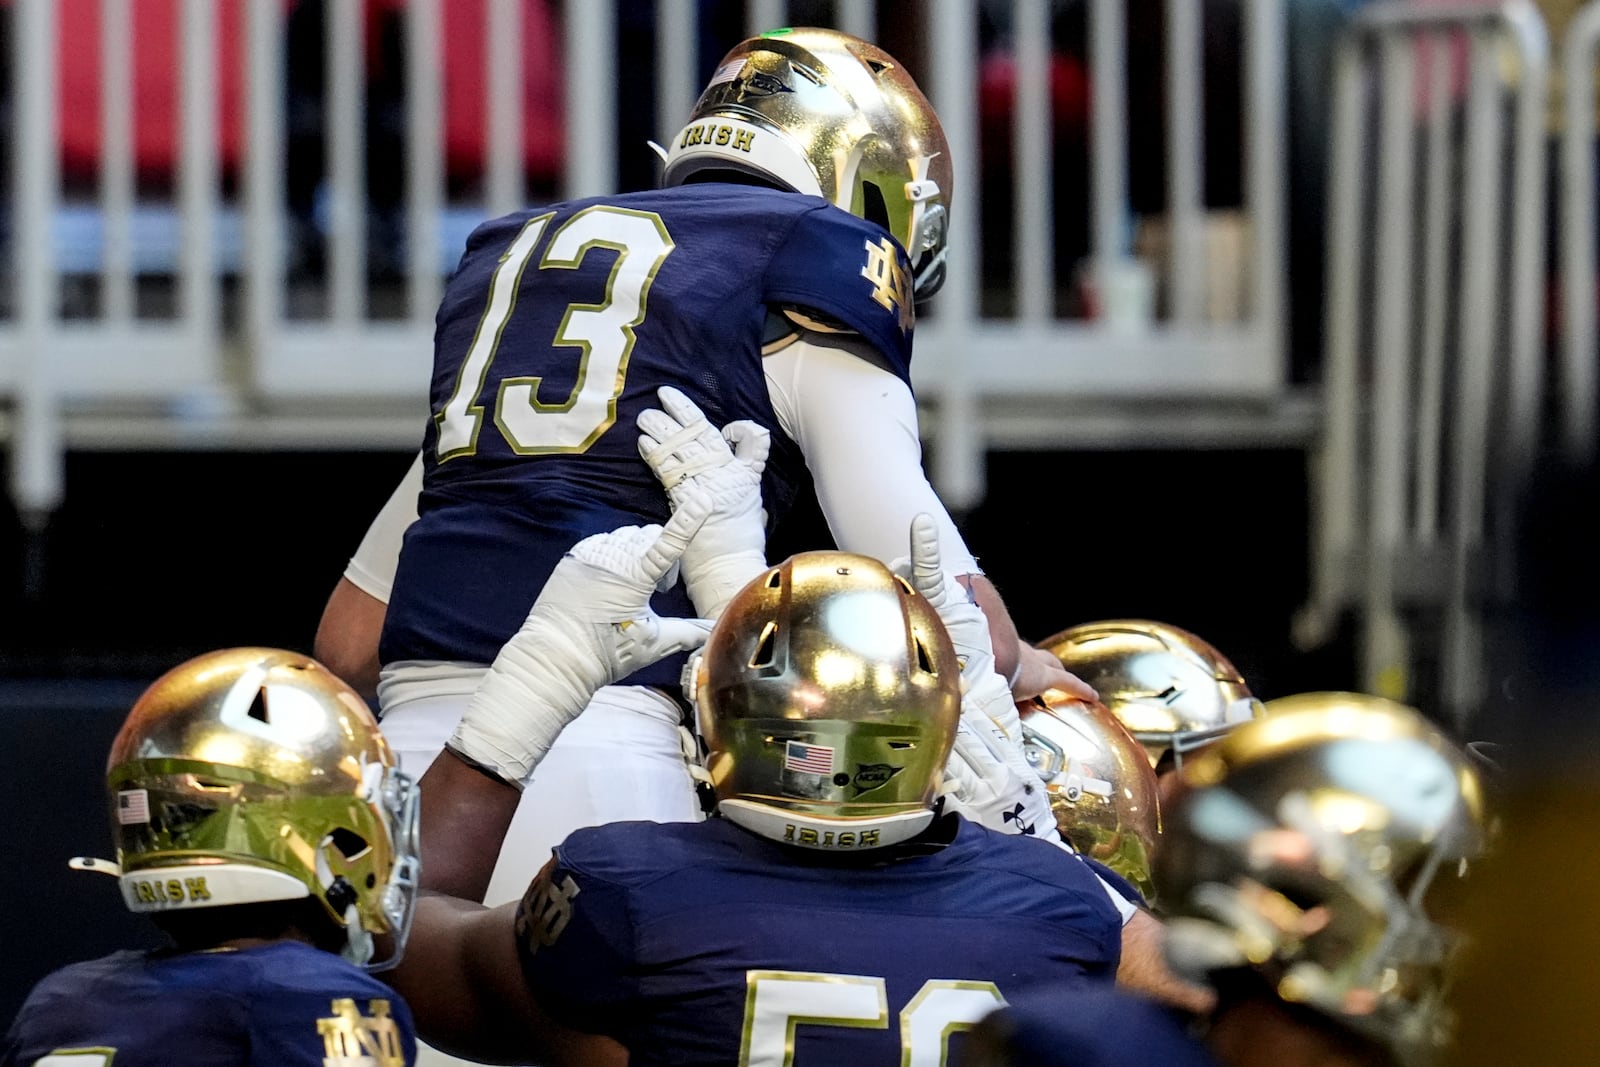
{"type": "Point", "coordinates": [260, 820]}
{"type": "Point", "coordinates": [772, 280]}
{"type": "Point", "coordinates": [1102, 789]}
{"type": "Point", "coordinates": [1312, 867]}
{"type": "Point", "coordinates": [1173, 691]}
{"type": "Point", "coordinates": [829, 911]}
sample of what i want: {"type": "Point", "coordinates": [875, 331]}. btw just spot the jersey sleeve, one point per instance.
{"type": "Point", "coordinates": [372, 568]}
{"type": "Point", "coordinates": [1125, 897]}
{"type": "Point", "coordinates": [853, 273]}
{"type": "Point", "coordinates": [575, 939]}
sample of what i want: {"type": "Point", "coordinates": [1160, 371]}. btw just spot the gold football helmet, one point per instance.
{"type": "Point", "coordinates": [825, 113]}
{"type": "Point", "coordinates": [1102, 789]}
{"type": "Point", "coordinates": [1173, 691]}
{"type": "Point", "coordinates": [254, 774]}
{"type": "Point", "coordinates": [1321, 846]}
{"type": "Point", "coordinates": [828, 697]}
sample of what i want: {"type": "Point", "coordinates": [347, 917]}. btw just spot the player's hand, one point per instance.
{"type": "Point", "coordinates": [688, 454]}
{"type": "Point", "coordinates": [983, 783]}
{"type": "Point", "coordinates": [989, 778]}
{"type": "Point", "coordinates": [591, 626]}
{"type": "Point", "coordinates": [965, 621]}
{"type": "Point", "coordinates": [1039, 669]}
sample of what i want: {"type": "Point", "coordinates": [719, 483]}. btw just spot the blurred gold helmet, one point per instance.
{"type": "Point", "coordinates": [1102, 789]}
{"type": "Point", "coordinates": [248, 775]}
{"type": "Point", "coordinates": [825, 113]}
{"type": "Point", "coordinates": [1173, 691]}
{"type": "Point", "coordinates": [1321, 846]}
{"type": "Point", "coordinates": [828, 697]}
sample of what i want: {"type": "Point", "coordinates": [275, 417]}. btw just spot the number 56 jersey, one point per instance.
{"type": "Point", "coordinates": [701, 943]}
{"type": "Point", "coordinates": [557, 329]}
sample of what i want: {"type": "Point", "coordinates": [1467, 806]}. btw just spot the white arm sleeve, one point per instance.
{"type": "Point", "coordinates": [372, 568]}
{"type": "Point", "coordinates": [839, 407]}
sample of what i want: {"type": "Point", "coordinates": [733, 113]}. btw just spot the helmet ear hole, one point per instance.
{"type": "Point", "coordinates": [762, 656]}
{"type": "Point", "coordinates": [350, 844]}
{"type": "Point", "coordinates": [258, 707]}
{"type": "Point", "coordinates": [873, 207]}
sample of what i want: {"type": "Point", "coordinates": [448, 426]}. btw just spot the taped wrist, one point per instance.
{"type": "Point", "coordinates": [540, 681]}
{"type": "Point", "coordinates": [713, 580]}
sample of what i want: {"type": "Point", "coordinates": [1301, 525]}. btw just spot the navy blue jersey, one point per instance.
{"type": "Point", "coordinates": [1104, 1028]}
{"type": "Point", "coordinates": [556, 330]}
{"type": "Point", "coordinates": [280, 1005]}
{"type": "Point", "coordinates": [700, 943]}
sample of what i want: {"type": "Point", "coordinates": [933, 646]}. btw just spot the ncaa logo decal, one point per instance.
{"type": "Point", "coordinates": [870, 776]}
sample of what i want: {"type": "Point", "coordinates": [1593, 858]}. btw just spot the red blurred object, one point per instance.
{"type": "Point", "coordinates": [464, 32]}
{"type": "Point", "coordinates": [156, 69]}
{"type": "Point", "coordinates": [997, 96]}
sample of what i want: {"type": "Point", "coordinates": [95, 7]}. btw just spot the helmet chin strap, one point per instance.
{"type": "Point", "coordinates": [357, 941]}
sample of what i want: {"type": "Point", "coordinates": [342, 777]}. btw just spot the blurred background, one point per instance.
{"type": "Point", "coordinates": [1271, 319]}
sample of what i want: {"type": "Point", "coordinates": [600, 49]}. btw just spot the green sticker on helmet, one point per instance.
{"type": "Point", "coordinates": [782, 31]}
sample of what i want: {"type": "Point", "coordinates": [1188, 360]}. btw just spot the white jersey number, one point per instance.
{"type": "Point", "coordinates": [77, 1057]}
{"type": "Point", "coordinates": [778, 1001]}
{"type": "Point", "coordinates": [602, 333]}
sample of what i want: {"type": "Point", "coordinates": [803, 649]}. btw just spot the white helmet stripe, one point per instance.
{"type": "Point", "coordinates": [211, 885]}
{"type": "Point", "coordinates": [732, 142]}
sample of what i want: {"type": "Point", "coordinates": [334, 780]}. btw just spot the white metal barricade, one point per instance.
{"type": "Point", "coordinates": [1579, 272]}
{"type": "Point", "coordinates": [240, 348]}
{"type": "Point", "coordinates": [1433, 368]}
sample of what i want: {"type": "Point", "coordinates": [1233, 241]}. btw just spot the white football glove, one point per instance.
{"type": "Point", "coordinates": [688, 454]}
{"type": "Point", "coordinates": [980, 783]}
{"type": "Point", "coordinates": [989, 779]}
{"type": "Point", "coordinates": [591, 625]}
{"type": "Point", "coordinates": [964, 620]}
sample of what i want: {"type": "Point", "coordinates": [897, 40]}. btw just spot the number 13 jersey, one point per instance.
{"type": "Point", "coordinates": [556, 330]}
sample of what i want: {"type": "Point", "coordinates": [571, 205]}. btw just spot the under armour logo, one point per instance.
{"type": "Point", "coordinates": [1015, 815]}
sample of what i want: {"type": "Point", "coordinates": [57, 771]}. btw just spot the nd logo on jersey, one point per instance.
{"type": "Point", "coordinates": [350, 1039]}
{"type": "Point", "coordinates": [545, 910]}
{"type": "Point", "coordinates": [891, 286]}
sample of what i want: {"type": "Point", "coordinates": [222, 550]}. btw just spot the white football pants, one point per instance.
{"type": "Point", "coordinates": [620, 760]}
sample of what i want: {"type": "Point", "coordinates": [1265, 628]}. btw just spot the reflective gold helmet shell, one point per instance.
{"type": "Point", "coordinates": [1317, 845]}
{"type": "Point", "coordinates": [828, 698]}
{"type": "Point", "coordinates": [825, 113]}
{"type": "Point", "coordinates": [1102, 789]}
{"type": "Point", "coordinates": [1173, 691]}
{"type": "Point", "coordinates": [254, 774]}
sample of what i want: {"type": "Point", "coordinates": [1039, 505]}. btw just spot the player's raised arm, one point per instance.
{"type": "Point", "coordinates": [466, 991]}
{"type": "Point", "coordinates": [352, 619]}
{"type": "Point", "coordinates": [591, 625]}
{"type": "Point", "coordinates": [840, 402]}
